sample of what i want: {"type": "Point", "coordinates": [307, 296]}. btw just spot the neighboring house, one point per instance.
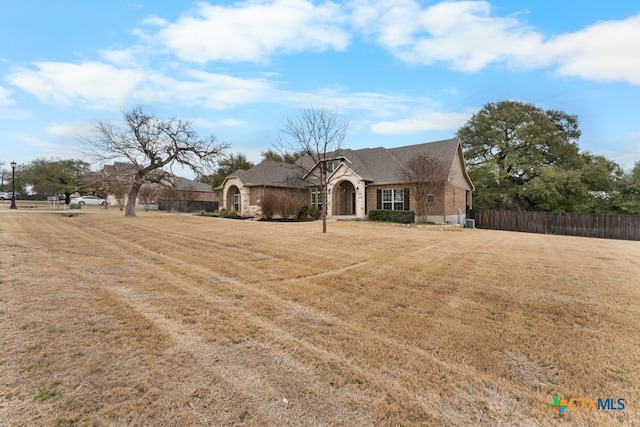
{"type": "Point", "coordinates": [116, 181]}
{"type": "Point", "coordinates": [195, 191]}
{"type": "Point", "coordinates": [359, 180]}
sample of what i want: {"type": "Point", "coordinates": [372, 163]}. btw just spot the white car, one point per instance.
{"type": "Point", "coordinates": [89, 200]}
{"type": "Point", "coordinates": [5, 196]}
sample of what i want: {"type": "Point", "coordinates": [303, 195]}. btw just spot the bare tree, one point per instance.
{"type": "Point", "coordinates": [111, 184]}
{"type": "Point", "coordinates": [318, 134]}
{"type": "Point", "coordinates": [189, 196]}
{"type": "Point", "coordinates": [151, 144]}
{"type": "Point", "coordinates": [170, 194]}
{"type": "Point", "coordinates": [148, 193]}
{"type": "Point", "coordinates": [427, 175]}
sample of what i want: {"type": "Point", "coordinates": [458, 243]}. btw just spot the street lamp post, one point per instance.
{"type": "Point", "coordinates": [13, 186]}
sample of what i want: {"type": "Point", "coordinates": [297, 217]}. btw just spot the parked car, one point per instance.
{"type": "Point", "coordinates": [7, 196]}
{"type": "Point", "coordinates": [89, 200]}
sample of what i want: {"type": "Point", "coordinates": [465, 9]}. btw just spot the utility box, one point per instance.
{"type": "Point", "coordinates": [469, 223]}
{"type": "Point", "coordinates": [75, 206]}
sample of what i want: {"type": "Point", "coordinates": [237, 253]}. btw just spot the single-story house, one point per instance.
{"type": "Point", "coordinates": [361, 180]}
{"type": "Point", "coordinates": [116, 180]}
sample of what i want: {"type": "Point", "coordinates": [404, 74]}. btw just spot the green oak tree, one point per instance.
{"type": "Point", "coordinates": [627, 195]}
{"type": "Point", "coordinates": [49, 177]}
{"type": "Point", "coordinates": [282, 157]}
{"type": "Point", "coordinates": [227, 165]}
{"type": "Point", "coordinates": [523, 157]}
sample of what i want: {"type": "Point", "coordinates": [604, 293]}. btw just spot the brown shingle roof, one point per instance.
{"type": "Point", "coordinates": [180, 183]}
{"type": "Point", "coordinates": [271, 173]}
{"type": "Point", "coordinates": [382, 165]}
{"type": "Point", "coordinates": [377, 165]}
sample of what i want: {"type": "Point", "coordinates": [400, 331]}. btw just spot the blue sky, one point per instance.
{"type": "Point", "coordinates": [403, 71]}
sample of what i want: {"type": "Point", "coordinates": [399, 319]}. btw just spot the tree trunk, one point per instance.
{"type": "Point", "coordinates": [131, 200]}
{"type": "Point", "coordinates": [325, 196]}
{"type": "Point", "coordinates": [324, 220]}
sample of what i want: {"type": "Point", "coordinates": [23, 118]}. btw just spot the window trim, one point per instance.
{"type": "Point", "coordinates": [316, 199]}
{"type": "Point", "coordinates": [332, 165]}
{"type": "Point", "coordinates": [393, 199]}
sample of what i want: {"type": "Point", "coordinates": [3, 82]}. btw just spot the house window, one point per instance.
{"type": "Point", "coordinates": [332, 165]}
{"type": "Point", "coordinates": [393, 199]}
{"type": "Point", "coordinates": [316, 199]}
{"type": "Point", "coordinates": [430, 198]}
{"type": "Point", "coordinates": [236, 200]}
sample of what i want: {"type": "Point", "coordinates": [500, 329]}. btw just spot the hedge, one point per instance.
{"type": "Point", "coordinates": [403, 217]}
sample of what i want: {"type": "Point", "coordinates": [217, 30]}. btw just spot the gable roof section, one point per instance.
{"type": "Point", "coordinates": [383, 165]}
{"type": "Point", "coordinates": [443, 151]}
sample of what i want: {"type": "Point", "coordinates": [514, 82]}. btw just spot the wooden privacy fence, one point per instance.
{"type": "Point", "coordinates": [187, 206]}
{"type": "Point", "coordinates": [626, 227]}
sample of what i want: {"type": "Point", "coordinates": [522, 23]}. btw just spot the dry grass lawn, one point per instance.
{"type": "Point", "coordinates": [168, 319]}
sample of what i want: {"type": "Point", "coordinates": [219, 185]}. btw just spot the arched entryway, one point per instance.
{"type": "Point", "coordinates": [343, 198]}
{"type": "Point", "coordinates": [234, 199]}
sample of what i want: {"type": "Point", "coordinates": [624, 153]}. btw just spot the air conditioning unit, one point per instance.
{"type": "Point", "coordinates": [469, 223]}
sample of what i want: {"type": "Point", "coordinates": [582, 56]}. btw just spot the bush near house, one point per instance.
{"type": "Point", "coordinates": [303, 212]}
{"type": "Point", "coordinates": [402, 217]}
{"type": "Point", "coordinates": [269, 205]}
{"type": "Point", "coordinates": [224, 213]}
{"type": "Point", "coordinates": [314, 212]}
{"type": "Point", "coordinates": [285, 205]}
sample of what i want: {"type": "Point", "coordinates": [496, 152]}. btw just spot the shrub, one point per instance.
{"type": "Point", "coordinates": [315, 212]}
{"type": "Point", "coordinates": [223, 213]}
{"type": "Point", "coordinates": [268, 204]}
{"type": "Point", "coordinates": [402, 217]}
{"type": "Point", "coordinates": [303, 212]}
{"type": "Point", "coordinates": [285, 204]}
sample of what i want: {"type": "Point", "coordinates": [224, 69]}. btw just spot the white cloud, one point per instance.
{"type": "Point", "coordinates": [64, 83]}
{"type": "Point", "coordinates": [606, 51]}
{"type": "Point", "coordinates": [468, 37]}
{"type": "Point", "coordinates": [254, 30]}
{"type": "Point", "coordinates": [231, 123]}
{"type": "Point", "coordinates": [219, 91]}
{"type": "Point", "coordinates": [5, 97]}
{"type": "Point", "coordinates": [71, 130]}
{"type": "Point", "coordinates": [428, 121]}
{"type": "Point", "coordinates": [128, 57]}
{"type": "Point", "coordinates": [463, 34]}
{"type": "Point", "coordinates": [156, 21]}
{"type": "Point", "coordinates": [103, 86]}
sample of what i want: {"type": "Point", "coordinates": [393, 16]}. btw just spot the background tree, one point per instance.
{"type": "Point", "coordinates": [226, 166]}
{"type": "Point", "coordinates": [318, 134]}
{"type": "Point", "coordinates": [148, 194]}
{"type": "Point", "coordinates": [151, 144]}
{"type": "Point", "coordinates": [170, 194]}
{"type": "Point", "coordinates": [426, 173]}
{"type": "Point", "coordinates": [284, 157]}
{"type": "Point", "coordinates": [509, 144]}
{"type": "Point", "coordinates": [115, 184]}
{"type": "Point", "coordinates": [53, 177]}
{"type": "Point", "coordinates": [626, 198]}
{"type": "Point", "coordinates": [3, 174]}
{"type": "Point", "coordinates": [188, 195]}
